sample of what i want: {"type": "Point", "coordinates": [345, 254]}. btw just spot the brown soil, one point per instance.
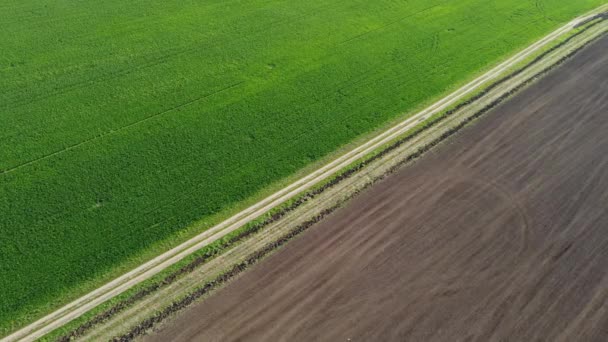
{"type": "Point", "coordinates": [498, 234]}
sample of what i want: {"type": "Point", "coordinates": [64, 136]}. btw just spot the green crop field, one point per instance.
{"type": "Point", "coordinates": [124, 122]}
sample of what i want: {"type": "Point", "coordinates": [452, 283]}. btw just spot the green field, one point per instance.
{"type": "Point", "coordinates": [124, 122]}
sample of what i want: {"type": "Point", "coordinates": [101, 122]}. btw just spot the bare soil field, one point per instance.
{"type": "Point", "coordinates": [497, 234]}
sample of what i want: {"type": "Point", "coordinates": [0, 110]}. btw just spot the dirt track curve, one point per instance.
{"type": "Point", "coordinates": [499, 234]}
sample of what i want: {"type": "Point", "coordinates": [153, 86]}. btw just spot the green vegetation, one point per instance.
{"type": "Point", "coordinates": [124, 122]}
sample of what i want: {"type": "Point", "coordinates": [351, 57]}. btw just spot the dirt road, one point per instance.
{"type": "Point", "coordinates": [500, 234]}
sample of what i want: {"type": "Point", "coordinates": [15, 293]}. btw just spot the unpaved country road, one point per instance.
{"type": "Point", "coordinates": [499, 234]}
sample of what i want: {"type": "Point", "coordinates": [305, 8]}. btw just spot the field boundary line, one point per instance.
{"type": "Point", "coordinates": [121, 128]}
{"type": "Point", "coordinates": [145, 271]}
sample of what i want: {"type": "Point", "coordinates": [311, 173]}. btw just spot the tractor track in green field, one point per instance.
{"type": "Point", "coordinates": [119, 129]}
{"type": "Point", "coordinates": [389, 24]}
{"type": "Point", "coordinates": [147, 63]}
